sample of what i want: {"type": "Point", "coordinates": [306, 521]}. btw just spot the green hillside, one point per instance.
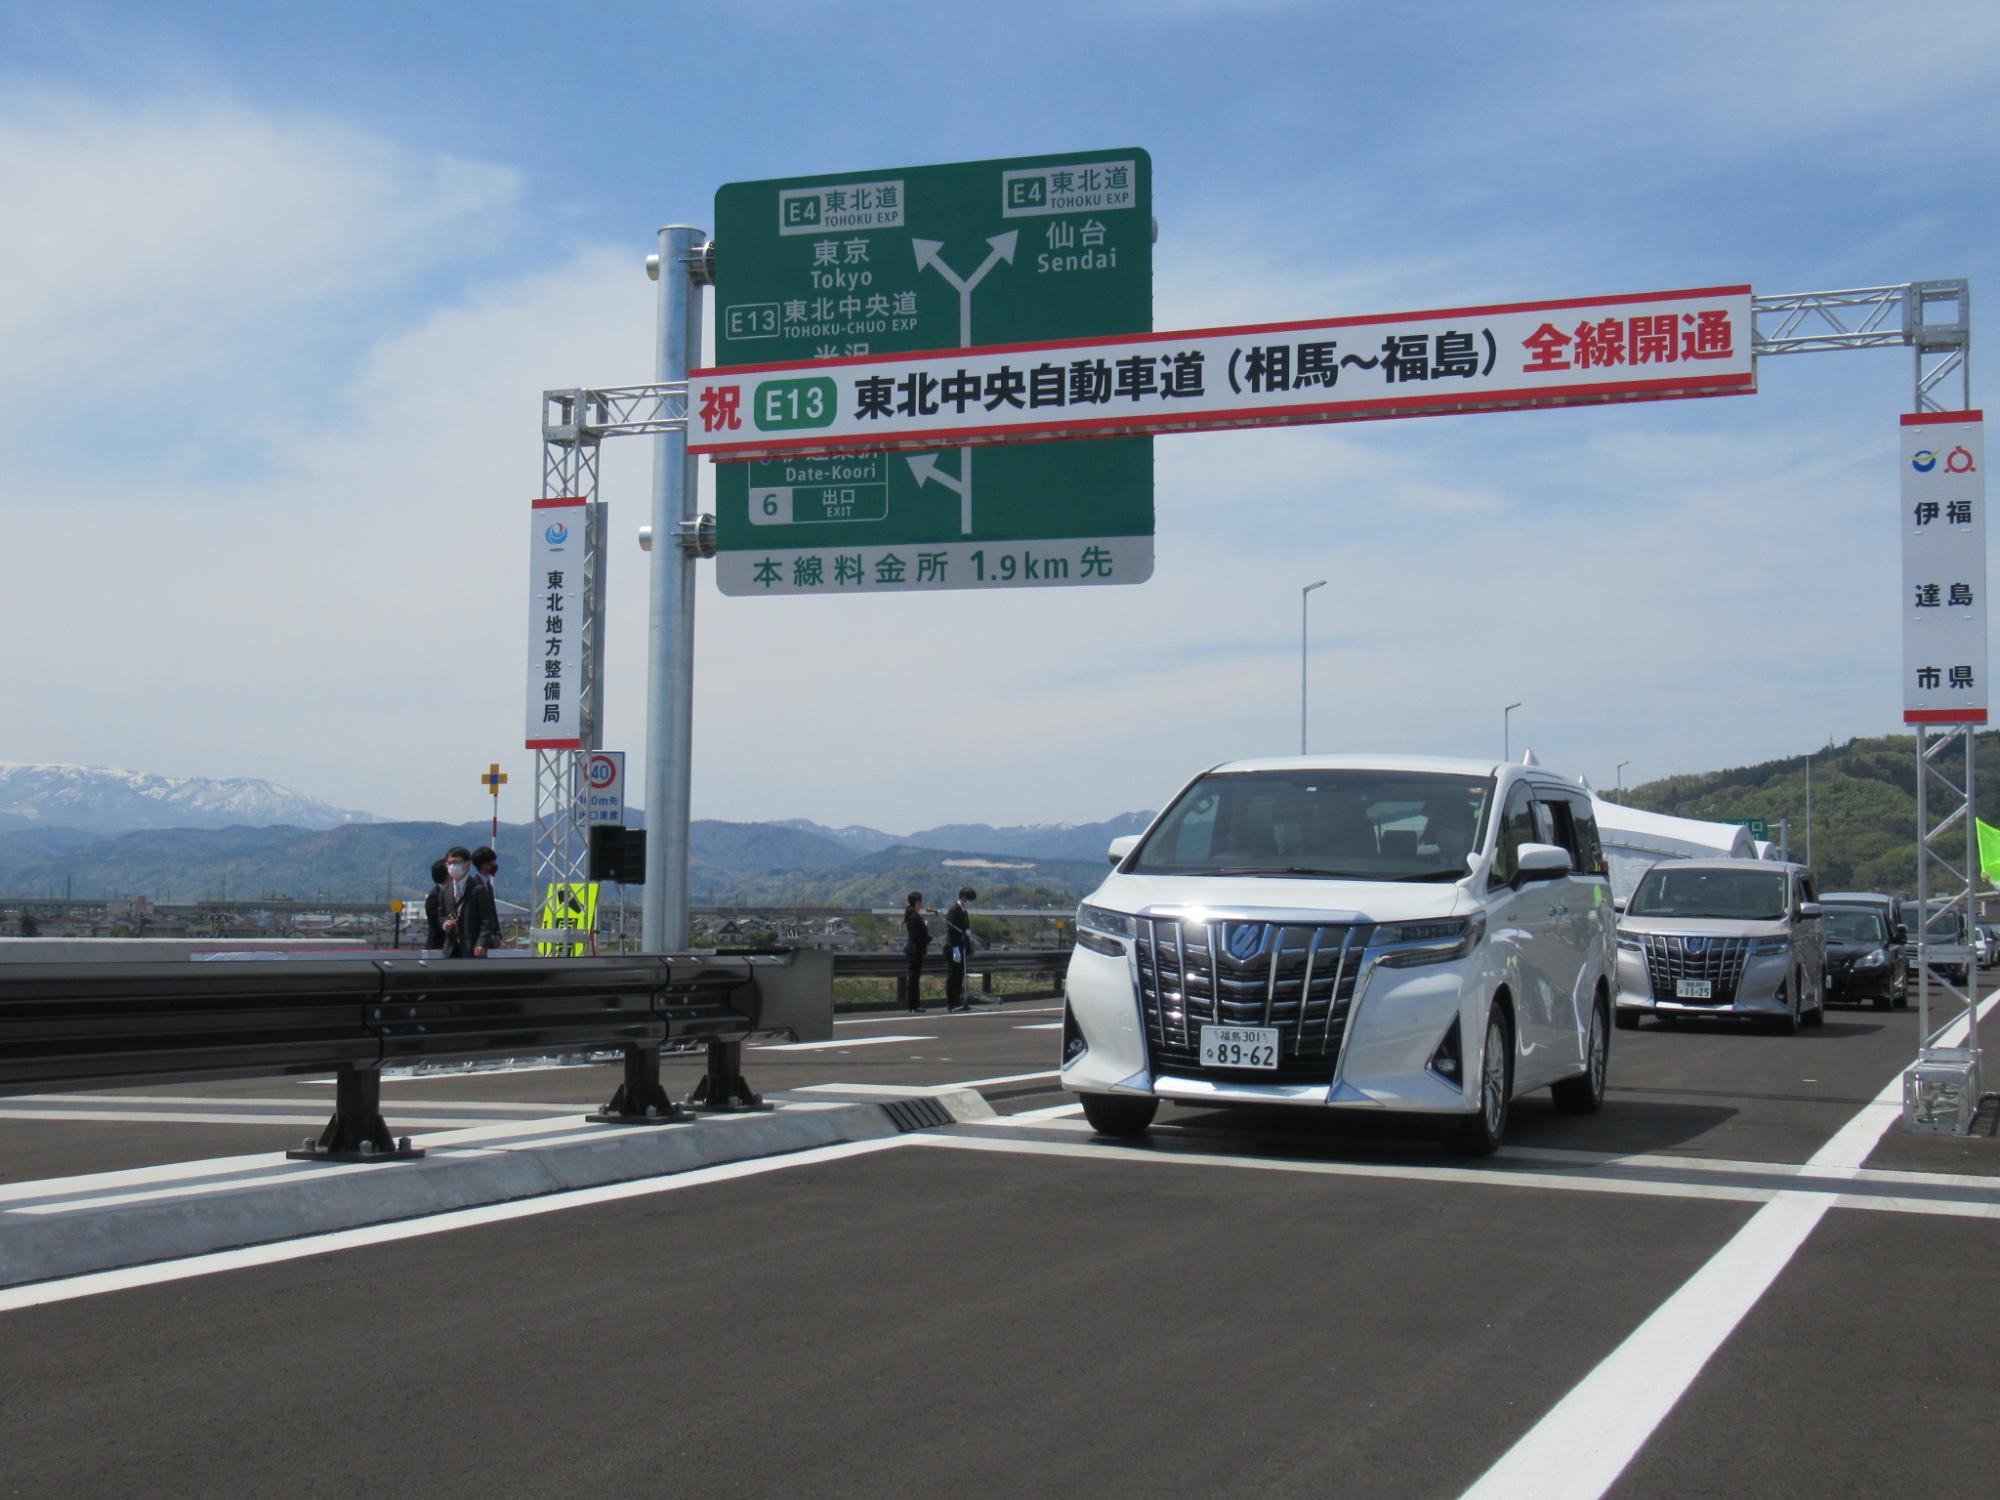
{"type": "Point", "coordinates": [1864, 805]}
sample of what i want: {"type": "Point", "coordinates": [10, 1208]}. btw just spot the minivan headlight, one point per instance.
{"type": "Point", "coordinates": [1875, 958]}
{"type": "Point", "coordinates": [1404, 945]}
{"type": "Point", "coordinates": [1769, 947]}
{"type": "Point", "coordinates": [1102, 931]}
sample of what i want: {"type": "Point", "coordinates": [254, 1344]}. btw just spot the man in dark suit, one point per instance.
{"type": "Point", "coordinates": [434, 908]}
{"type": "Point", "coordinates": [471, 921]}
{"type": "Point", "coordinates": [958, 948]}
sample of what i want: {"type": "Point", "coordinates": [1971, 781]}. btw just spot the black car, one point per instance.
{"type": "Point", "coordinates": [1864, 956]}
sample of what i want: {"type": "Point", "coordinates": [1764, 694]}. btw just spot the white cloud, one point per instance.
{"type": "Point", "coordinates": [153, 242]}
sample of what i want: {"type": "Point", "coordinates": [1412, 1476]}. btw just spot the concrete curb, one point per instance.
{"type": "Point", "coordinates": [75, 1225]}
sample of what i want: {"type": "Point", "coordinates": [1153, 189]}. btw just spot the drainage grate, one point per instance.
{"type": "Point", "coordinates": [916, 1114]}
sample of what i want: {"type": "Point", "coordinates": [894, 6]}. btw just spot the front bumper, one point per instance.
{"type": "Point", "coordinates": [1395, 1024]}
{"type": "Point", "coordinates": [1761, 991]}
{"type": "Point", "coordinates": [1861, 984]}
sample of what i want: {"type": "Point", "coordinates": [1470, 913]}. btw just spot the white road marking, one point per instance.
{"type": "Point", "coordinates": [195, 1117]}
{"type": "Point", "coordinates": [857, 1041]}
{"type": "Point", "coordinates": [981, 1083]}
{"type": "Point", "coordinates": [1036, 1116]}
{"type": "Point", "coordinates": [1578, 1450]}
{"type": "Point", "coordinates": [252, 1101]}
{"type": "Point", "coordinates": [901, 1017]}
{"type": "Point", "coordinates": [43, 1293]}
{"type": "Point", "coordinates": [1984, 1203]}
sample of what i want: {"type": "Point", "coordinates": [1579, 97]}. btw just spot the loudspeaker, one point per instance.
{"type": "Point", "coordinates": [618, 854]}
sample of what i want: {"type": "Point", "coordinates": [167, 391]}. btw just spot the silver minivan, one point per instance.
{"type": "Point", "coordinates": [1729, 937]}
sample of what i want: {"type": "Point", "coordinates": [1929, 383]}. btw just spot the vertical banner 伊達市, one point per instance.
{"type": "Point", "coordinates": [1944, 568]}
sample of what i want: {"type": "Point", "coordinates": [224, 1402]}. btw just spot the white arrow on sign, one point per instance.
{"type": "Point", "coordinates": [928, 256]}
{"type": "Point", "coordinates": [924, 467]}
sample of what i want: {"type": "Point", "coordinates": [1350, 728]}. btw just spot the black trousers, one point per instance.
{"type": "Point", "coordinates": [954, 975]}
{"type": "Point", "coordinates": [913, 993]}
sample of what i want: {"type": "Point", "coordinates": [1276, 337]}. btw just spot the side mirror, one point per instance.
{"type": "Point", "coordinates": [1541, 862]}
{"type": "Point", "coordinates": [1618, 905]}
{"type": "Point", "coordinates": [1902, 933]}
{"type": "Point", "coordinates": [1121, 847]}
{"type": "Point", "coordinates": [1808, 910]}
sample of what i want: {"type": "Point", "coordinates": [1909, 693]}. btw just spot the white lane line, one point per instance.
{"type": "Point", "coordinates": [1042, 1026]}
{"type": "Point", "coordinates": [901, 1017]}
{"type": "Point", "coordinates": [196, 1117]}
{"type": "Point", "coordinates": [855, 1041]}
{"type": "Point", "coordinates": [1578, 1450]}
{"type": "Point", "coordinates": [253, 1101]}
{"type": "Point", "coordinates": [981, 1083]}
{"type": "Point", "coordinates": [43, 1293]}
{"type": "Point", "coordinates": [1036, 1116]}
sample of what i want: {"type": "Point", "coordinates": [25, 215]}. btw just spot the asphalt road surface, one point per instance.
{"type": "Point", "coordinates": [1733, 1281]}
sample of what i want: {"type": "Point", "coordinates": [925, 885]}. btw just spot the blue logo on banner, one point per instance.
{"type": "Point", "coordinates": [557, 534]}
{"type": "Point", "coordinates": [1923, 460]}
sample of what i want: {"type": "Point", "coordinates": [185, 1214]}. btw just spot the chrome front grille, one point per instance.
{"type": "Point", "coordinates": [1296, 977]}
{"type": "Point", "coordinates": [1671, 958]}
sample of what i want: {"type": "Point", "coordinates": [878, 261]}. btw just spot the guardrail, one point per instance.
{"type": "Point", "coordinates": [72, 1026]}
{"type": "Point", "coordinates": [985, 963]}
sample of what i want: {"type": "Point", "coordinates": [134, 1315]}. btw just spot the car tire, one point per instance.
{"type": "Point", "coordinates": [1883, 1002]}
{"type": "Point", "coordinates": [1480, 1133]}
{"type": "Point", "coordinates": [1792, 1022]}
{"type": "Point", "coordinates": [1119, 1115]}
{"type": "Point", "coordinates": [1627, 1020]}
{"type": "Point", "coordinates": [1817, 1016]}
{"type": "Point", "coordinates": [1584, 1094]}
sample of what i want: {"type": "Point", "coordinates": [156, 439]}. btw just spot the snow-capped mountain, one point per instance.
{"type": "Point", "coordinates": [100, 799]}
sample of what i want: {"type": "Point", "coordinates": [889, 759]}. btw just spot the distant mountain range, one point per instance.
{"type": "Point", "coordinates": [103, 833]}
{"type": "Point", "coordinates": [98, 799]}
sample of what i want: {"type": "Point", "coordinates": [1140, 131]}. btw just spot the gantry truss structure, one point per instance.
{"type": "Point", "coordinates": [574, 423]}
{"type": "Point", "coordinates": [1933, 319]}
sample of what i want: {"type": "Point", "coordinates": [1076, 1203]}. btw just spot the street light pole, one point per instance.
{"type": "Point", "coordinates": [1621, 781]}
{"type": "Point", "coordinates": [1320, 584]}
{"type": "Point", "coordinates": [1507, 732]}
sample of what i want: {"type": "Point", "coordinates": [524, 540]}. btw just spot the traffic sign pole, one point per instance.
{"type": "Point", "coordinates": [670, 607]}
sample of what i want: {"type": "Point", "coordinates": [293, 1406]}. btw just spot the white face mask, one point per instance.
{"type": "Point", "coordinates": [455, 870]}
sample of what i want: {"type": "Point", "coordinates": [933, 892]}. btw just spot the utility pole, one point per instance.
{"type": "Point", "coordinates": [1303, 593]}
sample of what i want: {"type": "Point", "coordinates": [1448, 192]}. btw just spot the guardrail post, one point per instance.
{"type": "Point", "coordinates": [641, 1099]}
{"type": "Point", "coordinates": [723, 1089]}
{"type": "Point", "coordinates": [357, 1131]}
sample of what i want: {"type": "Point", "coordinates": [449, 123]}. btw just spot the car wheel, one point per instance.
{"type": "Point", "coordinates": [1627, 1020]}
{"type": "Point", "coordinates": [1480, 1133]}
{"type": "Point", "coordinates": [1119, 1115]}
{"type": "Point", "coordinates": [1818, 1016]}
{"type": "Point", "coordinates": [1793, 1020]}
{"type": "Point", "coordinates": [1884, 1001]}
{"type": "Point", "coordinates": [1584, 1094]}
{"type": "Point", "coordinates": [1902, 999]}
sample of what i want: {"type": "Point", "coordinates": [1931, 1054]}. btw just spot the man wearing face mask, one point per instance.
{"type": "Point", "coordinates": [958, 948]}
{"type": "Point", "coordinates": [471, 922]}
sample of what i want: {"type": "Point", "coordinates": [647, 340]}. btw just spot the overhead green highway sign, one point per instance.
{"type": "Point", "coordinates": [912, 258]}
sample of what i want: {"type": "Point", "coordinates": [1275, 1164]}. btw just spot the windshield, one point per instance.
{"type": "Point", "coordinates": [1741, 895]}
{"type": "Point", "coordinates": [1854, 925]}
{"type": "Point", "coordinates": [1355, 825]}
{"type": "Point", "coordinates": [1943, 927]}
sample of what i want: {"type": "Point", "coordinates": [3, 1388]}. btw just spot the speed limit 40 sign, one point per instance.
{"type": "Point", "coordinates": [604, 786]}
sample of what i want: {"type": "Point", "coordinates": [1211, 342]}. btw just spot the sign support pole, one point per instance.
{"type": "Point", "coordinates": [681, 271]}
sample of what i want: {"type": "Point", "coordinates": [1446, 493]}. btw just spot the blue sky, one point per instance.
{"type": "Point", "coordinates": [281, 286]}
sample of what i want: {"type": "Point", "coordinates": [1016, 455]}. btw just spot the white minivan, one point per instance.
{"type": "Point", "coordinates": [1374, 933]}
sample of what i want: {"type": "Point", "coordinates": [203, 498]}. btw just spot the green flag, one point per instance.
{"type": "Point", "coordinates": [1989, 851]}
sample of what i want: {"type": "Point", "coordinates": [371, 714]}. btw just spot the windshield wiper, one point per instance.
{"type": "Point", "coordinates": [1435, 875]}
